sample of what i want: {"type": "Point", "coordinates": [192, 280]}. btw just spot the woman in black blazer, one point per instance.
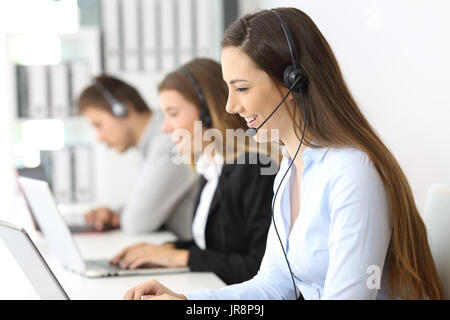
{"type": "Point", "coordinates": [232, 213]}
{"type": "Point", "coordinates": [237, 225]}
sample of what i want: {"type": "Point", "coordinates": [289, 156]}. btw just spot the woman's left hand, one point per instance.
{"type": "Point", "coordinates": [143, 253]}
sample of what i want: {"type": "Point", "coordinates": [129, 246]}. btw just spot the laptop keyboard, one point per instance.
{"type": "Point", "coordinates": [105, 265]}
{"type": "Point", "coordinates": [101, 264]}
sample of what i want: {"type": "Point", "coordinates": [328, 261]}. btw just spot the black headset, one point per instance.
{"type": "Point", "coordinates": [296, 80]}
{"type": "Point", "coordinates": [118, 109]}
{"type": "Point", "coordinates": [206, 119]}
{"type": "Point", "coordinates": [205, 115]}
{"type": "Point", "coordinates": [294, 77]}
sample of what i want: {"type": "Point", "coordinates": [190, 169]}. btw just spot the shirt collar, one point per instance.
{"type": "Point", "coordinates": [315, 154]}
{"type": "Point", "coordinates": [209, 168]}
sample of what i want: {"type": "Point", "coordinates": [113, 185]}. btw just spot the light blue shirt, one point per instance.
{"type": "Point", "coordinates": [338, 244]}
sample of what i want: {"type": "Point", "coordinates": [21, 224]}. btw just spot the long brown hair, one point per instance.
{"type": "Point", "coordinates": [335, 120]}
{"type": "Point", "coordinates": [208, 74]}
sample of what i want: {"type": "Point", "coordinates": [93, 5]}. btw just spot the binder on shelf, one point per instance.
{"type": "Point", "coordinates": [22, 91]}
{"type": "Point", "coordinates": [176, 33]}
{"type": "Point", "coordinates": [37, 83]}
{"type": "Point", "coordinates": [82, 173]}
{"type": "Point", "coordinates": [61, 175]}
{"type": "Point", "coordinates": [185, 31]}
{"type": "Point", "coordinates": [59, 91]}
{"type": "Point", "coordinates": [110, 23]}
{"type": "Point", "coordinates": [79, 79]}
{"type": "Point", "coordinates": [167, 34]}
{"type": "Point", "coordinates": [140, 35]}
{"type": "Point", "coordinates": [150, 32]}
{"type": "Point", "coordinates": [69, 173]}
{"type": "Point", "coordinates": [46, 164]}
{"type": "Point", "coordinates": [131, 34]}
{"type": "Point", "coordinates": [203, 27]}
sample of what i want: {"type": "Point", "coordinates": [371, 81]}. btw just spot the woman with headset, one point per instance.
{"type": "Point", "coordinates": [232, 213]}
{"type": "Point", "coordinates": [345, 223]}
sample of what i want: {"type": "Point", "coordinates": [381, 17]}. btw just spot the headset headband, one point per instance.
{"type": "Point", "coordinates": [205, 115]}
{"type": "Point", "coordinates": [290, 40]}
{"type": "Point", "coordinates": [117, 108]}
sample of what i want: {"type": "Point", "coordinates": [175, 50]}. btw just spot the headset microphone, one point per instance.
{"type": "Point", "coordinates": [253, 131]}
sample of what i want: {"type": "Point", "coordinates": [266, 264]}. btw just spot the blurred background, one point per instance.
{"type": "Point", "coordinates": [393, 54]}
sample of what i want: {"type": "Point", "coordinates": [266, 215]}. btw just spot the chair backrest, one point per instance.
{"type": "Point", "coordinates": [436, 216]}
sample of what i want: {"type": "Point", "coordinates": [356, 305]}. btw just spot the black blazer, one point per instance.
{"type": "Point", "coordinates": [238, 221]}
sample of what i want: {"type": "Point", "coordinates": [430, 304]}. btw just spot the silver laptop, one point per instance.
{"type": "Point", "coordinates": [75, 221]}
{"type": "Point", "coordinates": [61, 241]}
{"type": "Point", "coordinates": [31, 262]}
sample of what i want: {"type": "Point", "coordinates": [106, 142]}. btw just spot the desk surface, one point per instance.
{"type": "Point", "coordinates": [14, 284]}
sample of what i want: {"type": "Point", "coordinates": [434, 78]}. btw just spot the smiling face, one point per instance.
{"type": "Point", "coordinates": [253, 94]}
{"type": "Point", "coordinates": [179, 114]}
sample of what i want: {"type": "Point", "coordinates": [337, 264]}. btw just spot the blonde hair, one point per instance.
{"type": "Point", "coordinates": [208, 74]}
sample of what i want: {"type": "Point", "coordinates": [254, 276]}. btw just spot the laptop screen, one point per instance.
{"type": "Point", "coordinates": [31, 262]}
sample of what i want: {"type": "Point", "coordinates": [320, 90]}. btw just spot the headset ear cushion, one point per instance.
{"type": "Point", "coordinates": [291, 74]}
{"type": "Point", "coordinates": [119, 110]}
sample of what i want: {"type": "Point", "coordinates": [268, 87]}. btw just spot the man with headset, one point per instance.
{"type": "Point", "coordinates": [163, 195]}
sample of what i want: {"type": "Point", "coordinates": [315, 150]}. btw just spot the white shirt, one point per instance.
{"type": "Point", "coordinates": [210, 169]}
{"type": "Point", "coordinates": [340, 237]}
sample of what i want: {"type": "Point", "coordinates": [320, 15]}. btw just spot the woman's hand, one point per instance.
{"type": "Point", "coordinates": [152, 290]}
{"type": "Point", "coordinates": [165, 255]}
{"type": "Point", "coordinates": [102, 219]}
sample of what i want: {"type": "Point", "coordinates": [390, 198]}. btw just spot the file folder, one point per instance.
{"type": "Point", "coordinates": [185, 30]}
{"type": "Point", "coordinates": [61, 175]}
{"type": "Point", "coordinates": [22, 91]}
{"type": "Point", "coordinates": [79, 79]}
{"type": "Point", "coordinates": [167, 33]}
{"type": "Point", "coordinates": [37, 91]}
{"type": "Point", "coordinates": [59, 91]}
{"type": "Point", "coordinates": [203, 27]}
{"type": "Point", "coordinates": [110, 24]}
{"type": "Point", "coordinates": [150, 38]}
{"type": "Point", "coordinates": [130, 34]}
{"type": "Point", "coordinates": [82, 162]}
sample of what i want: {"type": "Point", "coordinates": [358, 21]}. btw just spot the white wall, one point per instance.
{"type": "Point", "coordinates": [395, 56]}
{"type": "Point", "coordinates": [7, 187]}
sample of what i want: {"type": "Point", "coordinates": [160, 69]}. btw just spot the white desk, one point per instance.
{"type": "Point", "coordinates": [14, 284]}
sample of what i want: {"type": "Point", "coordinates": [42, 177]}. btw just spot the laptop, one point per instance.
{"type": "Point", "coordinates": [62, 243]}
{"type": "Point", "coordinates": [75, 221]}
{"type": "Point", "coordinates": [31, 262]}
